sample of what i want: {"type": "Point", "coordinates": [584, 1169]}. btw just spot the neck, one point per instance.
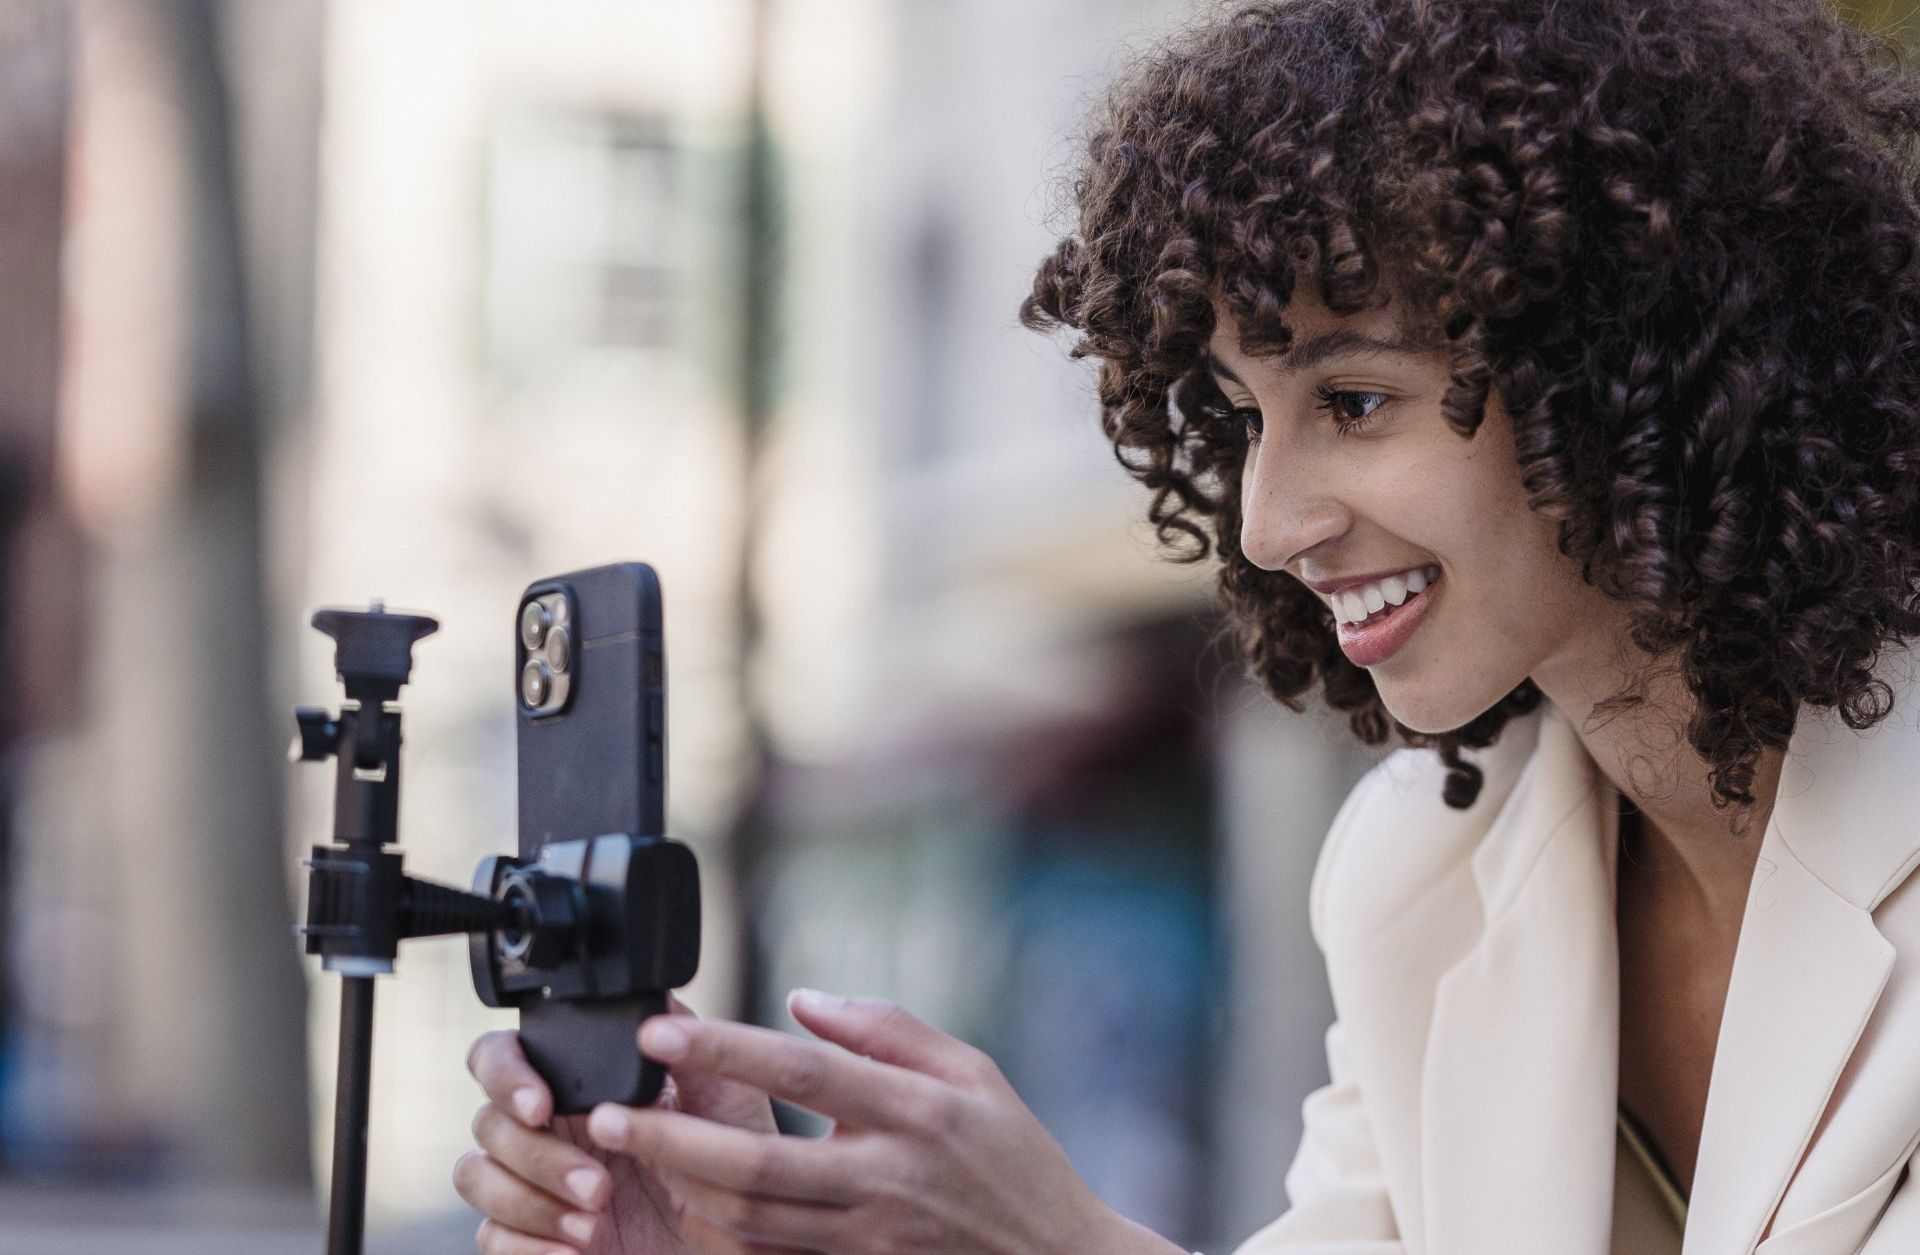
{"type": "Point", "coordinates": [1686, 846]}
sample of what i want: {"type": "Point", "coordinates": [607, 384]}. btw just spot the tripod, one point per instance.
{"type": "Point", "coordinates": [360, 903]}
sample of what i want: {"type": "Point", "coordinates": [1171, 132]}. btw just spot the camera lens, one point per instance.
{"type": "Point", "coordinates": [559, 649]}
{"type": "Point", "coordinates": [536, 681]}
{"type": "Point", "coordinates": [533, 624]}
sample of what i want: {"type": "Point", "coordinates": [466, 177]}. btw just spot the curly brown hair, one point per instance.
{"type": "Point", "coordinates": [1676, 238]}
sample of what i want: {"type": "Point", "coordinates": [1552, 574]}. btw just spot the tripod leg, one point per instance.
{"type": "Point", "coordinates": [347, 1203]}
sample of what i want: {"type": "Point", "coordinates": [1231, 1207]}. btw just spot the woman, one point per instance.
{"type": "Point", "coordinates": [1546, 376]}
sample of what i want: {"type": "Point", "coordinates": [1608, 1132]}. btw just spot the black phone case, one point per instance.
{"type": "Point", "coordinates": [597, 766]}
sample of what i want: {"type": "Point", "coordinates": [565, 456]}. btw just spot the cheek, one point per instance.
{"type": "Point", "coordinates": [1478, 505]}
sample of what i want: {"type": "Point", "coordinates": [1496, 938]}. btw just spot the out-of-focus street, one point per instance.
{"type": "Point", "coordinates": [80, 1220]}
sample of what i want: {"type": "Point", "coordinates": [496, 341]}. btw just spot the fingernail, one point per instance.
{"type": "Point", "coordinates": [663, 1040]}
{"type": "Point", "coordinates": [814, 1000]}
{"type": "Point", "coordinates": [607, 1127]}
{"type": "Point", "coordinates": [585, 1184]}
{"type": "Point", "coordinates": [527, 1102]}
{"type": "Point", "coordinates": [578, 1225]}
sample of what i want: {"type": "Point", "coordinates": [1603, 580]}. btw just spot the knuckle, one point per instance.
{"type": "Point", "coordinates": [477, 1053]}
{"type": "Point", "coordinates": [890, 1016]}
{"type": "Point", "coordinates": [486, 1052]}
{"type": "Point", "coordinates": [763, 1171]}
{"type": "Point", "coordinates": [711, 1049]}
{"type": "Point", "coordinates": [466, 1173]}
{"type": "Point", "coordinates": [980, 1068]}
{"type": "Point", "coordinates": [740, 1212]}
{"type": "Point", "coordinates": [483, 1121]}
{"type": "Point", "coordinates": [939, 1112]}
{"type": "Point", "coordinates": [803, 1073]}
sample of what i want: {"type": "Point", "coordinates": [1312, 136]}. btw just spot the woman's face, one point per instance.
{"type": "Point", "coordinates": [1353, 475]}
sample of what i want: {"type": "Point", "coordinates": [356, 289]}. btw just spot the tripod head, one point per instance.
{"type": "Point", "coordinates": [360, 904]}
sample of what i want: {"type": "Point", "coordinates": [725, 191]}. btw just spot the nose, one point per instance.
{"type": "Point", "coordinates": [1285, 510]}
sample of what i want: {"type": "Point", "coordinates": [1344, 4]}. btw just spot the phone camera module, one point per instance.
{"type": "Point", "coordinates": [534, 620]}
{"type": "Point", "coordinates": [536, 682]}
{"type": "Point", "coordinates": [546, 652]}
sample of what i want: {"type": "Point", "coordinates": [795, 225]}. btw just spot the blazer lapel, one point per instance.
{"type": "Point", "coordinates": [1520, 1068]}
{"type": "Point", "coordinates": [1811, 964]}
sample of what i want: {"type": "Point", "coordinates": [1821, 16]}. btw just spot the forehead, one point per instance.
{"type": "Point", "coordinates": [1318, 333]}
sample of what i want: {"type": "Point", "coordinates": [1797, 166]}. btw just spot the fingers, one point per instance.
{"type": "Point", "coordinates": [761, 1220]}
{"type": "Point", "coordinates": [853, 1091]}
{"type": "Point", "coordinates": [767, 1164]}
{"type": "Point", "coordinates": [542, 1160]}
{"type": "Point", "coordinates": [890, 1033]}
{"type": "Point", "coordinates": [513, 1204]}
{"type": "Point", "coordinates": [501, 1067]}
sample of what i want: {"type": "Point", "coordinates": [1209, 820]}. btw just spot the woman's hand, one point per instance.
{"type": "Point", "coordinates": [545, 1188]}
{"type": "Point", "coordinates": [931, 1151]}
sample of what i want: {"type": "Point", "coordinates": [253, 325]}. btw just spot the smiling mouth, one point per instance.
{"type": "Point", "coordinates": [1379, 636]}
{"type": "Point", "coordinates": [1393, 592]}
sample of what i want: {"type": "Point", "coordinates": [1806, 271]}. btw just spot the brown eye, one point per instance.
{"type": "Point", "coordinates": [1350, 410]}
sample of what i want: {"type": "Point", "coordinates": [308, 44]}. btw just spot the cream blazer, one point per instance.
{"type": "Point", "coordinates": [1474, 1054]}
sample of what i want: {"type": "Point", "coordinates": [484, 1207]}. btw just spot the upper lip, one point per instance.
{"type": "Point", "coordinates": [1328, 587]}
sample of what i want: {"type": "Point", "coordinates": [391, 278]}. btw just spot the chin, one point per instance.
{"type": "Point", "coordinates": [1431, 714]}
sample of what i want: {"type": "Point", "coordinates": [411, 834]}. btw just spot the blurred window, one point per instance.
{"type": "Point", "coordinates": [580, 255]}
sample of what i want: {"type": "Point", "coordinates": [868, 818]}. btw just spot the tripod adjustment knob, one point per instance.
{"type": "Point", "coordinates": [318, 738]}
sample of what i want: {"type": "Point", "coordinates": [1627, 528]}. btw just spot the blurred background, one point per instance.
{"type": "Point", "coordinates": [315, 301]}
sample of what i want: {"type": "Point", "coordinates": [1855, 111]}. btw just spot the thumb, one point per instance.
{"type": "Point", "coordinates": [888, 1032]}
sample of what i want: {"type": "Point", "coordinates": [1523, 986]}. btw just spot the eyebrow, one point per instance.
{"type": "Point", "coordinates": [1315, 349]}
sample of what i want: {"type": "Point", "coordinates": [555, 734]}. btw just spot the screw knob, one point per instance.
{"type": "Point", "coordinates": [318, 737]}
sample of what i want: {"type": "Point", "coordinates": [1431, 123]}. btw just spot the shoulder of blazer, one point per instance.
{"type": "Point", "coordinates": [1395, 837]}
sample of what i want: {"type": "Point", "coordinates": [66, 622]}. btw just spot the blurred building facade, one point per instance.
{"type": "Point", "coordinates": [489, 272]}
{"type": "Point", "coordinates": [160, 1034]}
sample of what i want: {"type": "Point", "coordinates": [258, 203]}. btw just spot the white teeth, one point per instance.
{"type": "Point", "coordinates": [1355, 605]}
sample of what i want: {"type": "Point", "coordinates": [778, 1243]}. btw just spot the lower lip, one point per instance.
{"type": "Point", "coordinates": [1374, 643]}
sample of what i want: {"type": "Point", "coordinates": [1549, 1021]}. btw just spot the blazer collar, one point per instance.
{"type": "Point", "coordinates": [1521, 1055]}
{"type": "Point", "coordinates": [1848, 806]}
{"type": "Point", "coordinates": [1811, 963]}
{"type": "Point", "coordinates": [1521, 1060]}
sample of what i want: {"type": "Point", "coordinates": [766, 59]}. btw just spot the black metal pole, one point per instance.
{"type": "Point", "coordinates": [347, 1202]}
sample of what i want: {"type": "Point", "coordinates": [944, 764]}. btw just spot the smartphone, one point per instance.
{"type": "Point", "coordinates": [591, 700]}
